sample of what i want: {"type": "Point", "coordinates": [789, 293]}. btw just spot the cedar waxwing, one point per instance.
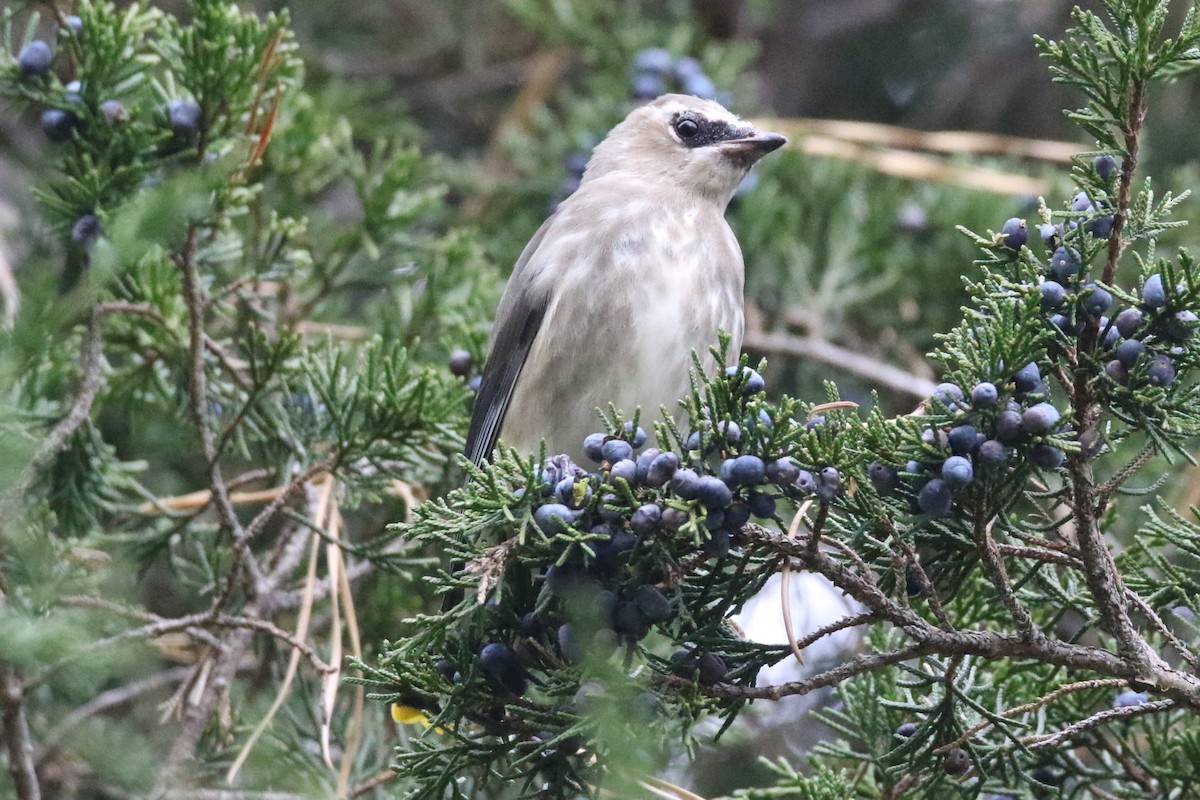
{"type": "Point", "coordinates": [631, 273]}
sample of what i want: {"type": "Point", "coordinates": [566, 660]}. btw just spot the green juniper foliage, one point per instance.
{"type": "Point", "coordinates": [186, 411]}
{"type": "Point", "coordinates": [1006, 650]}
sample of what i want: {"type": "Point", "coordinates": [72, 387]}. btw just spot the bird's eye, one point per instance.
{"type": "Point", "coordinates": [687, 128]}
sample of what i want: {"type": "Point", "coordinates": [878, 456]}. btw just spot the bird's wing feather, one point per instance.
{"type": "Point", "coordinates": [518, 327]}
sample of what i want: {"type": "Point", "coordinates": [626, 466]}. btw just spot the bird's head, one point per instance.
{"type": "Point", "coordinates": [683, 144]}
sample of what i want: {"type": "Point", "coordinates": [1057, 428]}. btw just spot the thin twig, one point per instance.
{"type": "Point", "coordinates": [107, 700]}
{"type": "Point", "coordinates": [1045, 699]}
{"type": "Point", "coordinates": [17, 738]}
{"type": "Point", "coordinates": [1041, 741]}
{"type": "Point", "coordinates": [817, 349]}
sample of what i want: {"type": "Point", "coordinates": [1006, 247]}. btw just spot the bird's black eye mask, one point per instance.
{"type": "Point", "coordinates": [695, 130]}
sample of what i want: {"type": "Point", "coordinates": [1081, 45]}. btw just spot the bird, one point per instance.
{"type": "Point", "coordinates": [630, 273]}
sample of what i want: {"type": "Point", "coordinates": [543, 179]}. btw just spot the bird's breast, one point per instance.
{"type": "Point", "coordinates": [629, 304]}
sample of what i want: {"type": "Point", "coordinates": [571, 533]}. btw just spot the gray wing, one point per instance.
{"type": "Point", "coordinates": [518, 327]}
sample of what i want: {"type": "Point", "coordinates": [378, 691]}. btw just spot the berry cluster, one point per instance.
{"type": "Point", "coordinates": [609, 581]}
{"type": "Point", "coordinates": [1140, 343]}
{"type": "Point", "coordinates": [988, 431]}
{"type": "Point", "coordinates": [73, 113]}
{"type": "Point", "coordinates": [655, 73]}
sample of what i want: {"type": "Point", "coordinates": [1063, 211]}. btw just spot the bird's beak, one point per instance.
{"type": "Point", "coordinates": [756, 145]}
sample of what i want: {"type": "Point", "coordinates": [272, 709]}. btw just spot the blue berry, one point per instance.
{"type": "Point", "coordinates": [701, 86]}
{"type": "Point", "coordinates": [661, 469]}
{"type": "Point", "coordinates": [947, 394]}
{"type": "Point", "coordinates": [686, 67]}
{"type": "Point", "coordinates": [1064, 263]}
{"type": "Point", "coordinates": [736, 516]}
{"type": "Point", "coordinates": [1045, 775]}
{"type": "Point", "coordinates": [86, 230]}
{"type": "Point", "coordinates": [1053, 294]}
{"type": "Point", "coordinates": [1101, 227]}
{"type": "Point", "coordinates": [569, 644]}
{"type": "Point", "coordinates": [58, 124]}
{"type": "Point", "coordinates": [184, 118]}
{"type": "Point", "coordinates": [615, 450]}
{"type": "Point", "coordinates": [1096, 299]}
{"type": "Point", "coordinates": [564, 491]}
{"type": "Point", "coordinates": [114, 112]}
{"type": "Point", "coordinates": [1129, 699]}
{"type": "Point", "coordinates": [782, 471]}
{"type": "Point", "coordinates": [815, 422]}
{"type": "Point", "coordinates": [1028, 377]}
{"type": "Point", "coordinates": [570, 185]}
{"type": "Point", "coordinates": [1108, 333]}
{"type": "Point", "coordinates": [962, 439]}
{"type": "Point", "coordinates": [913, 468]}
{"type": "Point", "coordinates": [752, 382]}
{"type": "Point", "coordinates": [652, 59]}
{"type": "Point", "coordinates": [828, 483]}
{"type": "Point", "coordinates": [626, 468]}
{"type": "Point", "coordinates": [627, 620]}
{"type": "Point", "coordinates": [906, 730]}
{"type": "Point", "coordinates": [1180, 326]}
{"type": "Point", "coordinates": [460, 363]}
{"type": "Point", "coordinates": [957, 472]}
{"type": "Point", "coordinates": [652, 604]}
{"type": "Point", "coordinates": [1105, 166]}
{"type": "Point", "coordinates": [474, 382]}
{"type": "Point", "coordinates": [935, 498]}
{"type": "Point", "coordinates": [713, 493]}
{"type": "Point", "coordinates": [992, 453]}
{"type": "Point", "coordinates": [1153, 293]}
{"type": "Point", "coordinates": [956, 762]}
{"type": "Point", "coordinates": [1049, 234]}
{"type": "Point", "coordinates": [35, 59]}
{"type": "Point", "coordinates": [1014, 233]}
{"type": "Point", "coordinates": [984, 395]}
{"type": "Point", "coordinates": [1161, 371]}
{"type": "Point", "coordinates": [730, 430]}
{"type": "Point", "coordinates": [685, 483]}
{"type": "Point", "coordinates": [883, 477]}
{"type": "Point", "coordinates": [647, 86]}
{"type": "Point", "coordinates": [1081, 202]}
{"type": "Point", "coordinates": [710, 669]}
{"type": "Point", "coordinates": [805, 482]}
{"type": "Point", "coordinates": [749, 470]}
{"type": "Point", "coordinates": [637, 436]}
{"type": "Point", "coordinates": [1064, 324]}
{"type": "Point", "coordinates": [1008, 427]}
{"type": "Point", "coordinates": [502, 668]}
{"type": "Point", "coordinates": [725, 472]}
{"type": "Point", "coordinates": [575, 163]}
{"type": "Point", "coordinates": [1129, 351]}
{"type": "Point", "coordinates": [1046, 456]}
{"type": "Point", "coordinates": [761, 504]}
{"type": "Point", "coordinates": [643, 461]}
{"type": "Point", "coordinates": [718, 543]}
{"type": "Point", "coordinates": [1039, 419]}
{"type": "Point", "coordinates": [553, 518]}
{"type": "Point", "coordinates": [593, 446]}
{"type": "Point", "coordinates": [1117, 371]}
{"type": "Point", "coordinates": [74, 25]}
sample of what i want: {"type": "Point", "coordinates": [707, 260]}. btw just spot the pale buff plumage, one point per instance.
{"type": "Point", "coordinates": [633, 272]}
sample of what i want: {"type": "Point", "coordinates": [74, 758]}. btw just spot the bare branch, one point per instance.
{"type": "Point", "coordinates": [16, 735]}
{"type": "Point", "coordinates": [817, 349]}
